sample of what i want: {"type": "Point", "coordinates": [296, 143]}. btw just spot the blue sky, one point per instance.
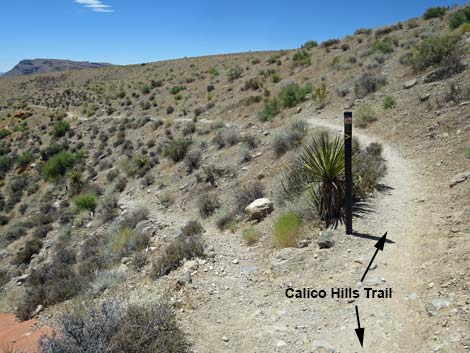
{"type": "Point", "coordinates": [134, 31]}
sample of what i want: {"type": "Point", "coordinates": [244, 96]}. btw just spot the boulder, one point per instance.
{"type": "Point", "coordinates": [410, 83]}
{"type": "Point", "coordinates": [259, 209]}
{"type": "Point", "coordinates": [325, 240]}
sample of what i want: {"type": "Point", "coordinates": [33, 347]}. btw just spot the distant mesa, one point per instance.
{"type": "Point", "coordinates": [37, 66]}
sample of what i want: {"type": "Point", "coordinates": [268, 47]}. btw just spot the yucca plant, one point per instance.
{"type": "Point", "coordinates": [76, 182]}
{"type": "Point", "coordinates": [323, 163]}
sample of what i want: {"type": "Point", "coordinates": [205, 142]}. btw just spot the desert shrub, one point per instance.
{"type": "Point", "coordinates": [436, 51]}
{"type": "Point", "coordinates": [86, 202]}
{"type": "Point", "coordinates": [15, 232]}
{"type": "Point", "coordinates": [4, 219]}
{"type": "Point", "coordinates": [4, 133]}
{"type": "Point", "coordinates": [126, 241]}
{"type": "Point", "coordinates": [271, 108]}
{"type": "Point", "coordinates": [109, 207]}
{"type": "Point", "coordinates": [247, 194]}
{"type": "Point", "coordinates": [31, 248]}
{"type": "Point", "coordinates": [251, 236]}
{"type": "Point", "coordinates": [134, 216]}
{"type": "Point", "coordinates": [368, 83]}
{"type": "Point", "coordinates": [254, 84]}
{"type": "Point", "coordinates": [25, 159]}
{"type": "Point", "coordinates": [293, 94]}
{"type": "Point", "coordinates": [50, 284]}
{"type": "Point", "coordinates": [291, 138]}
{"type": "Point", "coordinates": [250, 141]}
{"type": "Point", "coordinates": [51, 151]}
{"type": "Point", "coordinates": [231, 137]}
{"type": "Point", "coordinates": [434, 12]}
{"type": "Point", "coordinates": [235, 73]}
{"type": "Point", "coordinates": [464, 27]}
{"type": "Point", "coordinates": [226, 220]}
{"type": "Point", "coordinates": [310, 44]}
{"type": "Point", "coordinates": [177, 89]}
{"type": "Point", "coordinates": [301, 58]}
{"type": "Point", "coordinates": [176, 149]}
{"type": "Point", "coordinates": [179, 249]}
{"type": "Point", "coordinates": [6, 163]}
{"type": "Point", "coordinates": [287, 230]}
{"type": "Point", "coordinates": [366, 31]}
{"type": "Point", "coordinates": [387, 29]}
{"type": "Point", "coordinates": [460, 17]}
{"type": "Point", "coordinates": [189, 128]}
{"type": "Point", "coordinates": [121, 184]}
{"type": "Point", "coordinates": [147, 180]}
{"type": "Point", "coordinates": [42, 230]}
{"type": "Point", "coordinates": [207, 204]}
{"type": "Point", "coordinates": [342, 91]}
{"type": "Point", "coordinates": [4, 277]}
{"type": "Point", "coordinates": [364, 116]}
{"type": "Point", "coordinates": [106, 279]}
{"type": "Point", "coordinates": [58, 165]}
{"type": "Point", "coordinates": [389, 102]}
{"type": "Point", "coordinates": [368, 168]}
{"type": "Point", "coordinates": [192, 160]}
{"type": "Point", "coordinates": [330, 42]}
{"type": "Point", "coordinates": [320, 95]}
{"type": "Point", "coordinates": [192, 228]}
{"type": "Point", "coordinates": [60, 128]}
{"type": "Point", "coordinates": [118, 327]}
{"type": "Point", "coordinates": [383, 46]}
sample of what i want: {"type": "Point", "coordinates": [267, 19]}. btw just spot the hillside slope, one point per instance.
{"type": "Point", "coordinates": [128, 184]}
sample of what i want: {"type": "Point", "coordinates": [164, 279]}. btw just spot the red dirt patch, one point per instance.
{"type": "Point", "coordinates": [22, 336]}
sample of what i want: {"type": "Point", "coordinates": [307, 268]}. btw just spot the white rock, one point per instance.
{"type": "Point", "coordinates": [259, 209]}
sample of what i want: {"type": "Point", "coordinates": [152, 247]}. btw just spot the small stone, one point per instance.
{"type": "Point", "coordinates": [325, 240]}
{"type": "Point", "coordinates": [459, 178]}
{"type": "Point", "coordinates": [235, 261]}
{"type": "Point", "coordinates": [225, 339]}
{"type": "Point", "coordinates": [281, 344]}
{"type": "Point", "coordinates": [323, 347]}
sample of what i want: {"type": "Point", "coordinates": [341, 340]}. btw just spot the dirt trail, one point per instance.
{"type": "Point", "coordinates": [242, 307]}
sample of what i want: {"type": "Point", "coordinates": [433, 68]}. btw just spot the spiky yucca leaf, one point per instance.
{"type": "Point", "coordinates": [323, 161]}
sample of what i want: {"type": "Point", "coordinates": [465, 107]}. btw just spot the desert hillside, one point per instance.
{"type": "Point", "coordinates": [127, 197]}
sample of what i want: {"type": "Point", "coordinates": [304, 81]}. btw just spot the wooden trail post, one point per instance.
{"type": "Point", "coordinates": [348, 169]}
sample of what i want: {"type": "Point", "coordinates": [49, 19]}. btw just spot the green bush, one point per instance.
{"type": "Point", "coordinates": [310, 44]}
{"type": "Point", "coordinates": [4, 133]}
{"type": "Point", "coordinates": [434, 12]}
{"type": "Point", "coordinates": [85, 202]}
{"type": "Point", "coordinates": [330, 42]}
{"type": "Point", "coordinates": [235, 73]}
{"type": "Point", "coordinates": [58, 165]}
{"type": "Point", "coordinates": [60, 128]}
{"type": "Point", "coordinates": [320, 95]}
{"type": "Point", "coordinates": [389, 102]}
{"type": "Point", "coordinates": [176, 149]}
{"type": "Point", "coordinates": [6, 162]}
{"type": "Point", "coordinates": [301, 58]}
{"type": "Point", "coordinates": [271, 108]}
{"type": "Point", "coordinates": [287, 230]}
{"type": "Point", "coordinates": [460, 17]}
{"type": "Point", "coordinates": [435, 51]}
{"type": "Point", "coordinates": [126, 241]}
{"type": "Point", "coordinates": [364, 116]}
{"type": "Point", "coordinates": [25, 159]}
{"type": "Point", "coordinates": [384, 46]}
{"type": "Point", "coordinates": [177, 89]}
{"type": "Point", "coordinates": [293, 94]}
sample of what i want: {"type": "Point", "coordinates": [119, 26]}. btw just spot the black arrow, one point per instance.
{"type": "Point", "coordinates": [380, 246]}
{"type": "Point", "coordinates": [359, 330]}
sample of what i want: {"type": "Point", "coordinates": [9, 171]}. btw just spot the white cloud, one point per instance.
{"type": "Point", "coordinates": [95, 5]}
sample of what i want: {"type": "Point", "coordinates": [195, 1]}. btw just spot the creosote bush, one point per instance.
{"type": "Point", "coordinates": [192, 228]}
{"type": "Point", "coordinates": [86, 202]}
{"type": "Point", "coordinates": [434, 12]}
{"type": "Point", "coordinates": [251, 236]}
{"type": "Point", "coordinates": [58, 165]}
{"type": "Point", "coordinates": [368, 83]}
{"type": "Point", "coordinates": [176, 149]}
{"type": "Point", "coordinates": [389, 102]}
